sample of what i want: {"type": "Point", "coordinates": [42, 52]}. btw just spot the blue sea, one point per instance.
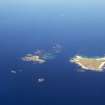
{"type": "Point", "coordinates": [26, 25]}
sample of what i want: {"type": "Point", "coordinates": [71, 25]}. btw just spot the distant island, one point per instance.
{"type": "Point", "coordinates": [88, 63]}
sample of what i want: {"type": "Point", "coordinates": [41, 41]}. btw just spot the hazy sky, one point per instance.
{"type": "Point", "coordinates": [78, 3]}
{"type": "Point", "coordinates": [83, 9]}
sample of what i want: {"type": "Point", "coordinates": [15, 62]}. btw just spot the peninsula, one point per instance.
{"type": "Point", "coordinates": [88, 63]}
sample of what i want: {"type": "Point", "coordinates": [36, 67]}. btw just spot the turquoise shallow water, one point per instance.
{"type": "Point", "coordinates": [28, 25]}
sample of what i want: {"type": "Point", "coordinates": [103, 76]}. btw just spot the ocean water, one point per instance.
{"type": "Point", "coordinates": [28, 25]}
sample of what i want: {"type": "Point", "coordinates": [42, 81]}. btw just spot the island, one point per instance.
{"type": "Point", "coordinates": [33, 58]}
{"type": "Point", "coordinates": [89, 63]}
